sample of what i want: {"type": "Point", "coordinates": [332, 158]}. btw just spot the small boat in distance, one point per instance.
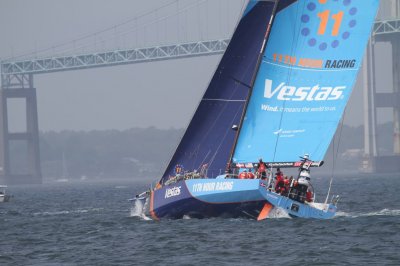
{"type": "Point", "coordinates": [3, 196]}
{"type": "Point", "coordinates": [278, 93]}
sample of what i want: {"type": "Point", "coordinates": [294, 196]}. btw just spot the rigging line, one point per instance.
{"type": "Point", "coordinates": [335, 156]}
{"type": "Point", "coordinates": [202, 162]}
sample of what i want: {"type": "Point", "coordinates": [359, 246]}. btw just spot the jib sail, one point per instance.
{"type": "Point", "coordinates": [305, 79]}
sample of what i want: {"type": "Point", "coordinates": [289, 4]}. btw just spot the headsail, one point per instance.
{"type": "Point", "coordinates": [305, 79]}
{"type": "Point", "coordinates": [209, 137]}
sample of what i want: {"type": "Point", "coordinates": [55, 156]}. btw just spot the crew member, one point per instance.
{"type": "Point", "coordinates": [303, 185]}
{"type": "Point", "coordinates": [250, 175]}
{"type": "Point", "coordinates": [309, 196]}
{"type": "Point", "coordinates": [279, 183]}
{"type": "Point", "coordinates": [262, 170]}
{"type": "Point", "coordinates": [243, 174]}
{"type": "Point", "coordinates": [285, 187]}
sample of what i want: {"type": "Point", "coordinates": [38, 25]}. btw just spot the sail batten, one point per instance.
{"type": "Point", "coordinates": [223, 100]}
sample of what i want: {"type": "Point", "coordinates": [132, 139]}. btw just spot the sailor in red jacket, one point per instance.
{"type": "Point", "coordinates": [243, 174]}
{"type": "Point", "coordinates": [279, 180]}
{"type": "Point", "coordinates": [309, 196]}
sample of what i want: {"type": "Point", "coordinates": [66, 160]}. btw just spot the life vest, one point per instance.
{"type": "Point", "coordinates": [286, 182]}
{"type": "Point", "coordinates": [243, 175]}
{"type": "Point", "coordinates": [250, 175]}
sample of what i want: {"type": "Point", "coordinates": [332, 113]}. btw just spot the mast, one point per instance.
{"type": "Point", "coordinates": [267, 33]}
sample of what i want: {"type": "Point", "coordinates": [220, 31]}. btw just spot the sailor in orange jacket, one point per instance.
{"type": "Point", "coordinates": [243, 175]}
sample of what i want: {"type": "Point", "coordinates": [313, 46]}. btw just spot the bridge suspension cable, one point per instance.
{"type": "Point", "coordinates": [177, 21]}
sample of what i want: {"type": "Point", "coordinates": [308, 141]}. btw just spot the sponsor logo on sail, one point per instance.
{"type": "Point", "coordinates": [172, 192]}
{"type": "Point", "coordinates": [284, 92]}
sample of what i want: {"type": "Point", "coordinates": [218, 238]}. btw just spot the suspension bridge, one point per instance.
{"type": "Point", "coordinates": [17, 73]}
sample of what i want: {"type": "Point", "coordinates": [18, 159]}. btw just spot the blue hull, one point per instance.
{"type": "Point", "coordinates": [302, 210]}
{"type": "Point", "coordinates": [206, 198]}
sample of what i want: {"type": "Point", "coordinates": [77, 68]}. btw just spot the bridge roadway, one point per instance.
{"type": "Point", "coordinates": [111, 58]}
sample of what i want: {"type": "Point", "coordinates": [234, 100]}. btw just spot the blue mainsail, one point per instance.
{"type": "Point", "coordinates": [305, 79]}
{"type": "Point", "coordinates": [209, 137]}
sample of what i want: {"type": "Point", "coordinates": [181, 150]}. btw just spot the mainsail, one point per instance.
{"type": "Point", "coordinates": [209, 136]}
{"type": "Point", "coordinates": [305, 79]}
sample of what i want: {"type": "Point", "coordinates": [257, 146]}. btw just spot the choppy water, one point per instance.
{"type": "Point", "coordinates": [90, 224]}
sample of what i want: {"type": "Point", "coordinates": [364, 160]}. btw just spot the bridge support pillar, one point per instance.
{"type": "Point", "coordinates": [11, 172]}
{"type": "Point", "coordinates": [373, 100]}
{"type": "Point", "coordinates": [396, 97]}
{"type": "Point", "coordinates": [370, 148]}
{"type": "Point", "coordinates": [390, 164]}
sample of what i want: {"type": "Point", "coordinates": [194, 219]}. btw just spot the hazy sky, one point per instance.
{"type": "Point", "coordinates": [161, 94]}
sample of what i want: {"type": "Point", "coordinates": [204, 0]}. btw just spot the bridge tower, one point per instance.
{"type": "Point", "coordinates": [384, 31]}
{"type": "Point", "coordinates": [28, 171]}
{"type": "Point", "coordinates": [396, 83]}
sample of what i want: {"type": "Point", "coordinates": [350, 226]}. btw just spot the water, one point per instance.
{"type": "Point", "coordinates": [90, 224]}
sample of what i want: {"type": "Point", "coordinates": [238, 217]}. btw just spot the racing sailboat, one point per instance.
{"type": "Point", "coordinates": [278, 93]}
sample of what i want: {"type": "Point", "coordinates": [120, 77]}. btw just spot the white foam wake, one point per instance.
{"type": "Point", "coordinates": [139, 209]}
{"type": "Point", "coordinates": [383, 212]}
{"type": "Point", "coordinates": [64, 212]}
{"type": "Point", "coordinates": [278, 213]}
